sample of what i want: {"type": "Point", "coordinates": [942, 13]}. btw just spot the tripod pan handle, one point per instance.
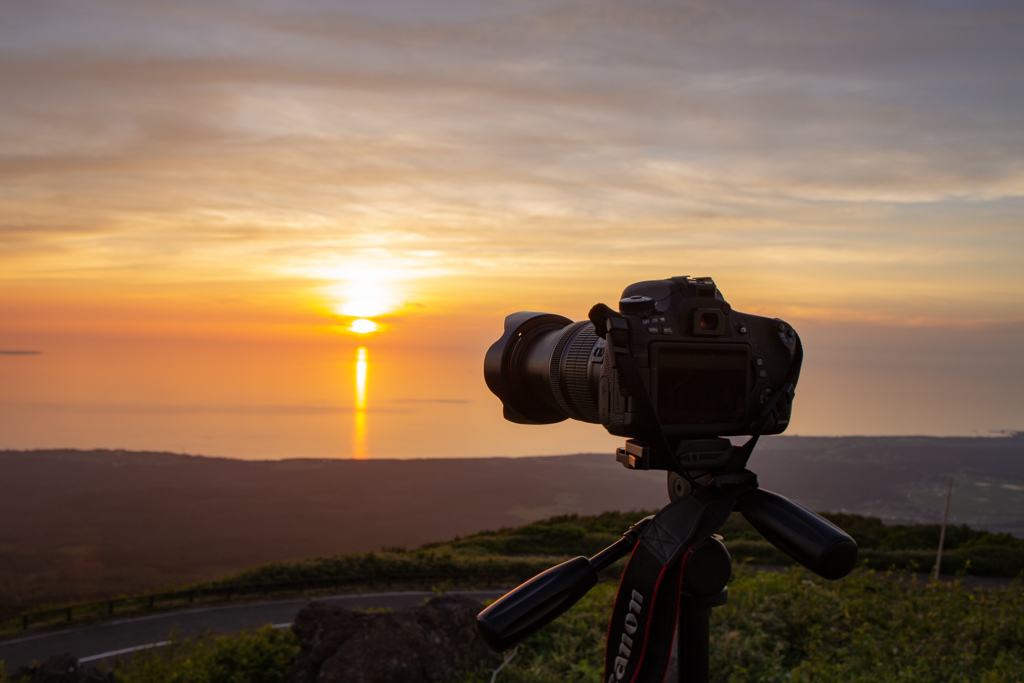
{"type": "Point", "coordinates": [807, 537]}
{"type": "Point", "coordinates": [525, 610]}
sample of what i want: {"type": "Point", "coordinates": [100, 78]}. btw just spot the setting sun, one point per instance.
{"type": "Point", "coordinates": [364, 292]}
{"type": "Point", "coordinates": [363, 326]}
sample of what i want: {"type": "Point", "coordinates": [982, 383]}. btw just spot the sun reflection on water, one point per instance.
{"type": "Point", "coordinates": [359, 450]}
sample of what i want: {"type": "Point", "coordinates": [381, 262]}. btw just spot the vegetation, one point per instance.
{"type": "Point", "coordinates": [262, 656]}
{"type": "Point", "coordinates": [523, 551]}
{"type": "Point", "coordinates": [512, 554]}
{"type": "Point", "coordinates": [793, 626]}
{"type": "Point", "coordinates": [905, 547]}
{"type": "Point", "coordinates": [779, 625]}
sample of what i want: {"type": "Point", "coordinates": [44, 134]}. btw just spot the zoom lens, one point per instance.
{"type": "Point", "coordinates": [545, 370]}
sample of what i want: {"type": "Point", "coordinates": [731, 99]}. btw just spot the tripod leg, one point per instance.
{"type": "Point", "coordinates": [692, 642]}
{"type": "Point", "coordinates": [704, 577]}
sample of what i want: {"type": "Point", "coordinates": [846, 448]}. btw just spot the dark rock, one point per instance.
{"type": "Point", "coordinates": [61, 669]}
{"type": "Point", "coordinates": [433, 643]}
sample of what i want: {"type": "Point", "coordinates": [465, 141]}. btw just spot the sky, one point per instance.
{"type": "Point", "coordinates": [198, 200]}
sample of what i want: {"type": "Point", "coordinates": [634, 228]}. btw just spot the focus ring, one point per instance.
{"type": "Point", "coordinates": [577, 377]}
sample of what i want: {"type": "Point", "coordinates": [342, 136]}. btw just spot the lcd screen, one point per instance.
{"type": "Point", "coordinates": [701, 384]}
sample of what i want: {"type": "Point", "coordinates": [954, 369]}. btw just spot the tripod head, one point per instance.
{"type": "Point", "coordinates": [702, 501]}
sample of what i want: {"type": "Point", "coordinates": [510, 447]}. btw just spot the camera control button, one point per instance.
{"type": "Point", "coordinates": [654, 330]}
{"type": "Point", "coordinates": [758, 361]}
{"type": "Point", "coordinates": [666, 330]}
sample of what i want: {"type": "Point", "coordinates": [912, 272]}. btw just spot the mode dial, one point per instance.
{"type": "Point", "coordinates": [635, 304]}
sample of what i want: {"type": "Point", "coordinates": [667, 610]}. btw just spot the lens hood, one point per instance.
{"type": "Point", "coordinates": [504, 366]}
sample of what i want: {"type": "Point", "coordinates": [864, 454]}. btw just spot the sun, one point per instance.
{"type": "Point", "coordinates": [362, 293]}
{"type": "Point", "coordinates": [363, 326]}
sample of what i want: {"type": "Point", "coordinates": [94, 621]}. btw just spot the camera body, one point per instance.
{"type": "Point", "coordinates": [709, 370]}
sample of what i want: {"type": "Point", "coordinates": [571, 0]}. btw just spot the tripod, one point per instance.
{"type": "Point", "coordinates": [678, 542]}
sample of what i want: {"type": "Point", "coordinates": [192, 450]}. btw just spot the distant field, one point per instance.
{"type": "Point", "coordinates": [81, 524]}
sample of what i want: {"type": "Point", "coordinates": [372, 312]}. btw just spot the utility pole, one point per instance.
{"type": "Point", "coordinates": [942, 534]}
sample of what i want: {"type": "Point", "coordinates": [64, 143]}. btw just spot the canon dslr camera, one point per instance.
{"type": "Point", "coordinates": [707, 370]}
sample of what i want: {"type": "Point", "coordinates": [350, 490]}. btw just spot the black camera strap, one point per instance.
{"type": "Point", "coordinates": [646, 607]}
{"type": "Point", "coordinates": [614, 327]}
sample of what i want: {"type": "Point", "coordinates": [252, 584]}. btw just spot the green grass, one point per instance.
{"type": "Point", "coordinates": [262, 656]}
{"type": "Point", "coordinates": [777, 626]}
{"type": "Point", "coordinates": [522, 551]}
{"type": "Point", "coordinates": [793, 626]}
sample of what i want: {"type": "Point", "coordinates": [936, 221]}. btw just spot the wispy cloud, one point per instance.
{"type": "Point", "coordinates": [223, 138]}
{"type": "Point", "coordinates": [431, 400]}
{"type": "Point", "coordinates": [157, 409]}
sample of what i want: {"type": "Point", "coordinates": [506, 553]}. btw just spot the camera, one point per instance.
{"type": "Point", "coordinates": [675, 357]}
{"type": "Point", "coordinates": [675, 370]}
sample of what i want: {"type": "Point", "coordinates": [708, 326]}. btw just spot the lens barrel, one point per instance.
{"type": "Point", "coordinates": [545, 370]}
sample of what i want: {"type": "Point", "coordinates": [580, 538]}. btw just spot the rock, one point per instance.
{"type": "Point", "coordinates": [433, 643]}
{"type": "Point", "coordinates": [61, 669]}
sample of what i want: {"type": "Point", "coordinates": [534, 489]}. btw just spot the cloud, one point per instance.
{"type": "Point", "coordinates": [282, 410]}
{"type": "Point", "coordinates": [431, 400]}
{"type": "Point", "coordinates": [202, 139]}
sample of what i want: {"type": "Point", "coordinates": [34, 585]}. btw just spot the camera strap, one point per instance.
{"type": "Point", "coordinates": [614, 327]}
{"type": "Point", "coordinates": [646, 608]}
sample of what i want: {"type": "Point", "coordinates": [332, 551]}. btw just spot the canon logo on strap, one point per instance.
{"type": "Point", "coordinates": [636, 604]}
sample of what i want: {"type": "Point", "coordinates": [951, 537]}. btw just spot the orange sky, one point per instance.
{"type": "Point", "coordinates": [199, 199]}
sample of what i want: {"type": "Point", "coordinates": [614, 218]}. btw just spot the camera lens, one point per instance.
{"type": "Point", "coordinates": [544, 369]}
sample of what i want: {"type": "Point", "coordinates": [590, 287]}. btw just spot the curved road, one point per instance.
{"type": "Point", "coordinates": [101, 641]}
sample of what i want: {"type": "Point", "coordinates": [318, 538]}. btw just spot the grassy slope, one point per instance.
{"type": "Point", "coordinates": [777, 626]}
{"type": "Point", "coordinates": [793, 626]}
{"type": "Point", "coordinates": [789, 625]}
{"type": "Point", "coordinates": [536, 546]}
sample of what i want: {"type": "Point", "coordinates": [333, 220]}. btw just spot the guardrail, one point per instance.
{"type": "Point", "coordinates": [106, 608]}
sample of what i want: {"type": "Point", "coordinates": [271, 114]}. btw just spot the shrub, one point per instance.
{"type": "Point", "coordinates": [262, 656]}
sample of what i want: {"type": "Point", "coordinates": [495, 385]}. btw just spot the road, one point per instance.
{"type": "Point", "coordinates": [101, 641]}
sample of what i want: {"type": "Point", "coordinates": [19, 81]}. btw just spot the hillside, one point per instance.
{"type": "Point", "coordinates": [785, 625]}
{"type": "Point", "coordinates": [76, 524]}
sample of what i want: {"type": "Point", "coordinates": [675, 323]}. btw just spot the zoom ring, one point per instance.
{"type": "Point", "coordinates": [568, 375]}
{"type": "Point", "coordinates": [555, 368]}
